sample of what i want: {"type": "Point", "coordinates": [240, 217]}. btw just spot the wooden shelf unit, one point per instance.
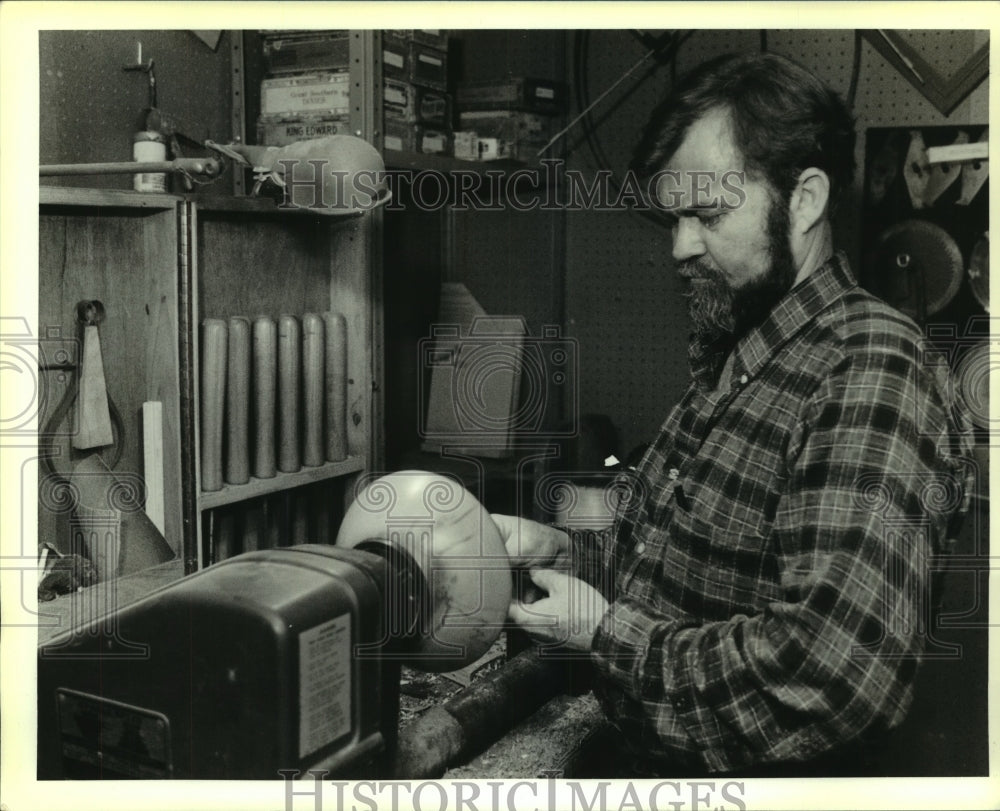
{"type": "Point", "coordinates": [255, 488]}
{"type": "Point", "coordinates": [120, 248]}
{"type": "Point", "coordinates": [251, 260]}
{"type": "Point", "coordinates": [161, 264]}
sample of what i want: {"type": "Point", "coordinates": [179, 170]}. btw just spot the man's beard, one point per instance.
{"type": "Point", "coordinates": [720, 313]}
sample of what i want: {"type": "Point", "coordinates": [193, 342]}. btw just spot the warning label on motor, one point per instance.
{"type": "Point", "coordinates": [324, 684]}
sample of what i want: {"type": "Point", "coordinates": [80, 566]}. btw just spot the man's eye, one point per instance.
{"type": "Point", "coordinates": [710, 220]}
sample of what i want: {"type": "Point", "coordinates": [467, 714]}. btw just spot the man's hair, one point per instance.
{"type": "Point", "coordinates": [784, 119]}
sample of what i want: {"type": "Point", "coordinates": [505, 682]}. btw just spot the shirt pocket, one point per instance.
{"type": "Point", "coordinates": [721, 572]}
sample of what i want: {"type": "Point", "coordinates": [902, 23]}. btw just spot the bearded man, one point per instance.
{"type": "Point", "coordinates": [760, 602]}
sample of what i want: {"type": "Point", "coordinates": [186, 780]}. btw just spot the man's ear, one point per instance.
{"type": "Point", "coordinates": [809, 200]}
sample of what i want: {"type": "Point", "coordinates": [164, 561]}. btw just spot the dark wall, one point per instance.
{"type": "Point", "coordinates": [623, 300]}
{"type": "Point", "coordinates": [511, 262]}
{"type": "Point", "coordinates": [90, 106]}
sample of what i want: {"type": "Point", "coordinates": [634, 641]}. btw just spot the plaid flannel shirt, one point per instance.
{"type": "Point", "coordinates": [769, 576]}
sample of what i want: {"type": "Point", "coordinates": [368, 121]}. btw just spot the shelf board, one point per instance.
{"type": "Point", "coordinates": [395, 159]}
{"type": "Point", "coordinates": [103, 198]}
{"type": "Point", "coordinates": [262, 205]}
{"type": "Point", "coordinates": [233, 493]}
{"type": "Point", "coordinates": [123, 198]}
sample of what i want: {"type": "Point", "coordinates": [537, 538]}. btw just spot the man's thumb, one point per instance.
{"type": "Point", "coordinates": [548, 579]}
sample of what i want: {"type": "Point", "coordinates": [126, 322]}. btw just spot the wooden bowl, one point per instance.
{"type": "Point", "coordinates": [459, 551]}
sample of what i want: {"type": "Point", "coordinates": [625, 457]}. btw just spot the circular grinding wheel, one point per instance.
{"type": "Point", "coordinates": [918, 267]}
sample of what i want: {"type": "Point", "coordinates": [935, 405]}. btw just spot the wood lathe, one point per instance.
{"type": "Point", "coordinates": [289, 658]}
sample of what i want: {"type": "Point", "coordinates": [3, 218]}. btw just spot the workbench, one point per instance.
{"type": "Point", "coordinates": [546, 743]}
{"type": "Point", "coordinates": [69, 610]}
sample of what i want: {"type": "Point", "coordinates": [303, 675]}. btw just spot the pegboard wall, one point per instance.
{"type": "Point", "coordinates": [623, 301]}
{"type": "Point", "coordinates": [91, 107]}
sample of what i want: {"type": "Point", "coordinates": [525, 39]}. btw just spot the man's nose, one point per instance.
{"type": "Point", "coordinates": [688, 243]}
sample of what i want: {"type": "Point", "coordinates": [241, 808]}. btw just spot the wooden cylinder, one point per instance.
{"type": "Point", "coordinates": [265, 381]}
{"type": "Point", "coordinates": [213, 392]}
{"type": "Point", "coordinates": [313, 370]}
{"type": "Point", "coordinates": [238, 403]}
{"type": "Point", "coordinates": [336, 387]}
{"type": "Point", "coordinates": [289, 377]}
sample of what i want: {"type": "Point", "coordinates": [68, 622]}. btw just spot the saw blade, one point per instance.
{"type": "Point", "coordinates": [918, 267]}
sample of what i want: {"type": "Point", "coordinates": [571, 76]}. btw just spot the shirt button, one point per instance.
{"type": "Point", "coordinates": [743, 379]}
{"type": "Point", "coordinates": [640, 547]}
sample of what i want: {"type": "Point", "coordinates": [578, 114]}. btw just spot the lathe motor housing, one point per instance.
{"type": "Point", "coordinates": [269, 661]}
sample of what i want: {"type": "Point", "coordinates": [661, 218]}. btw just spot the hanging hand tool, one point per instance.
{"type": "Point", "coordinates": [107, 524]}
{"type": "Point", "coordinates": [93, 419]}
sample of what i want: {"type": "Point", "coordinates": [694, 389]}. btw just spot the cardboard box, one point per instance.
{"type": "Point", "coordinates": [466, 145]}
{"type": "Point", "coordinates": [435, 37]}
{"type": "Point", "coordinates": [491, 149]}
{"type": "Point", "coordinates": [395, 59]}
{"type": "Point", "coordinates": [414, 62]}
{"type": "Point", "coordinates": [514, 125]}
{"type": "Point", "coordinates": [428, 66]}
{"type": "Point", "coordinates": [432, 107]}
{"type": "Point", "coordinates": [306, 51]}
{"type": "Point", "coordinates": [271, 132]}
{"type": "Point", "coordinates": [404, 136]}
{"type": "Point", "coordinates": [399, 135]}
{"type": "Point", "coordinates": [416, 105]}
{"type": "Point", "coordinates": [308, 95]}
{"type": "Point", "coordinates": [433, 142]}
{"type": "Point", "coordinates": [398, 100]}
{"type": "Point", "coordinates": [531, 95]}
{"type": "Point", "coordinates": [521, 134]}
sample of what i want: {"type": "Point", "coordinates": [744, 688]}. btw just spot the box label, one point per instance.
{"type": "Point", "coordinates": [433, 142]}
{"type": "Point", "coordinates": [282, 133]}
{"type": "Point", "coordinates": [305, 95]}
{"type": "Point", "coordinates": [395, 94]}
{"type": "Point", "coordinates": [324, 684]}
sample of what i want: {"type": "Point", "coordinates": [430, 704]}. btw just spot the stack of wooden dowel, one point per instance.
{"type": "Point", "coordinates": [273, 399]}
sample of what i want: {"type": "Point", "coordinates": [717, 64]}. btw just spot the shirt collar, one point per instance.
{"type": "Point", "coordinates": [797, 309]}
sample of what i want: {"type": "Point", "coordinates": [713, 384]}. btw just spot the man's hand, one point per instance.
{"type": "Point", "coordinates": [567, 617]}
{"type": "Point", "coordinates": [530, 543]}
